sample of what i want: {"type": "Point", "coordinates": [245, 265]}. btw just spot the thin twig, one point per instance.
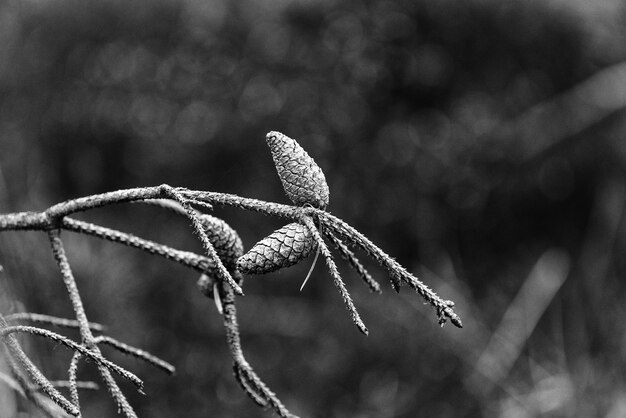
{"type": "Point", "coordinates": [168, 204]}
{"type": "Point", "coordinates": [226, 199]}
{"type": "Point", "coordinates": [17, 354]}
{"type": "Point", "coordinates": [443, 307]}
{"type": "Point", "coordinates": [186, 258]}
{"type": "Point", "coordinates": [85, 385]}
{"type": "Point", "coordinates": [192, 214]}
{"type": "Point", "coordinates": [82, 204]}
{"type": "Point", "coordinates": [52, 320]}
{"type": "Point", "coordinates": [247, 387]}
{"type": "Point", "coordinates": [185, 197]}
{"type": "Point", "coordinates": [136, 352]}
{"type": "Point", "coordinates": [23, 221]}
{"type": "Point", "coordinates": [12, 383]}
{"type": "Point", "coordinates": [45, 404]}
{"type": "Point", "coordinates": [59, 254]}
{"type": "Point", "coordinates": [353, 261]}
{"type": "Point", "coordinates": [96, 357]}
{"type": "Point", "coordinates": [116, 393]}
{"type": "Point", "coordinates": [73, 379]}
{"type": "Point", "coordinates": [252, 381]}
{"type": "Point", "coordinates": [224, 238]}
{"type": "Point", "coordinates": [181, 200]}
{"type": "Point", "coordinates": [88, 338]}
{"type": "Point", "coordinates": [332, 267]}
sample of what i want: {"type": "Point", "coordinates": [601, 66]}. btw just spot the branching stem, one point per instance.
{"type": "Point", "coordinates": [223, 286]}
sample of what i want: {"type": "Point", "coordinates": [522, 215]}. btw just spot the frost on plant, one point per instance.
{"type": "Point", "coordinates": [309, 228]}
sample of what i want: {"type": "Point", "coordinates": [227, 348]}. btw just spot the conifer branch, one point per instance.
{"type": "Point", "coordinates": [247, 378]}
{"type": "Point", "coordinates": [51, 320]}
{"type": "Point", "coordinates": [222, 267]}
{"type": "Point", "coordinates": [332, 267]}
{"type": "Point", "coordinates": [76, 347]}
{"type": "Point", "coordinates": [396, 271]}
{"type": "Point", "coordinates": [72, 375]}
{"type": "Point", "coordinates": [353, 261]}
{"type": "Point", "coordinates": [19, 356]}
{"type": "Point", "coordinates": [200, 263]}
{"type": "Point", "coordinates": [136, 352]}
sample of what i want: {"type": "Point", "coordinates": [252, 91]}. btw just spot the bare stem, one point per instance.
{"type": "Point", "coordinates": [51, 320]}
{"type": "Point", "coordinates": [72, 372]}
{"type": "Point", "coordinates": [198, 227]}
{"type": "Point", "coordinates": [61, 258]}
{"type": "Point", "coordinates": [88, 338]}
{"type": "Point", "coordinates": [186, 258]}
{"type": "Point", "coordinates": [443, 307]}
{"type": "Point", "coordinates": [255, 205]}
{"type": "Point", "coordinates": [82, 204]}
{"type": "Point", "coordinates": [96, 357]}
{"type": "Point", "coordinates": [181, 201]}
{"type": "Point", "coordinates": [332, 267]}
{"type": "Point", "coordinates": [18, 354]}
{"type": "Point", "coordinates": [250, 382]}
{"type": "Point", "coordinates": [45, 404]}
{"type": "Point", "coordinates": [354, 262]}
{"type": "Point", "coordinates": [136, 352]}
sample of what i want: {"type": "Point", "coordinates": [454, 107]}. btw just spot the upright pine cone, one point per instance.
{"type": "Point", "coordinates": [224, 238]}
{"type": "Point", "coordinates": [282, 248]}
{"type": "Point", "coordinates": [302, 179]}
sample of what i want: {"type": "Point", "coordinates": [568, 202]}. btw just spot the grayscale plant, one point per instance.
{"type": "Point", "coordinates": [221, 266]}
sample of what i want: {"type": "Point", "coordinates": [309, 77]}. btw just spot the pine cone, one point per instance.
{"type": "Point", "coordinates": [282, 248]}
{"type": "Point", "coordinates": [302, 179]}
{"type": "Point", "coordinates": [225, 239]}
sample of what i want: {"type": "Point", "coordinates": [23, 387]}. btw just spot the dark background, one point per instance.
{"type": "Point", "coordinates": [480, 143]}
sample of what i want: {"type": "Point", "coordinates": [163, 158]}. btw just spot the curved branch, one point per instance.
{"type": "Point", "coordinates": [245, 375]}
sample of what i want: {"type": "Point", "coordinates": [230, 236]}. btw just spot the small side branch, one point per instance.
{"type": "Point", "coordinates": [30, 391]}
{"type": "Point", "coordinates": [72, 372]}
{"type": "Point", "coordinates": [332, 267]}
{"type": "Point", "coordinates": [82, 204]}
{"type": "Point", "coordinates": [88, 338]}
{"type": "Point", "coordinates": [443, 307]}
{"type": "Point", "coordinates": [76, 347]}
{"type": "Point", "coordinates": [354, 262]}
{"type": "Point", "coordinates": [51, 320]}
{"type": "Point", "coordinates": [33, 372]}
{"type": "Point", "coordinates": [192, 214]}
{"type": "Point", "coordinates": [220, 279]}
{"type": "Point", "coordinates": [247, 378]}
{"type": "Point", "coordinates": [200, 263]}
{"type": "Point", "coordinates": [136, 352]}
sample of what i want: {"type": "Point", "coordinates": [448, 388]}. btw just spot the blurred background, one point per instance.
{"type": "Point", "coordinates": [481, 143]}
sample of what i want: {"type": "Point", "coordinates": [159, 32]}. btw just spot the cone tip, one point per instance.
{"type": "Point", "coordinates": [272, 135]}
